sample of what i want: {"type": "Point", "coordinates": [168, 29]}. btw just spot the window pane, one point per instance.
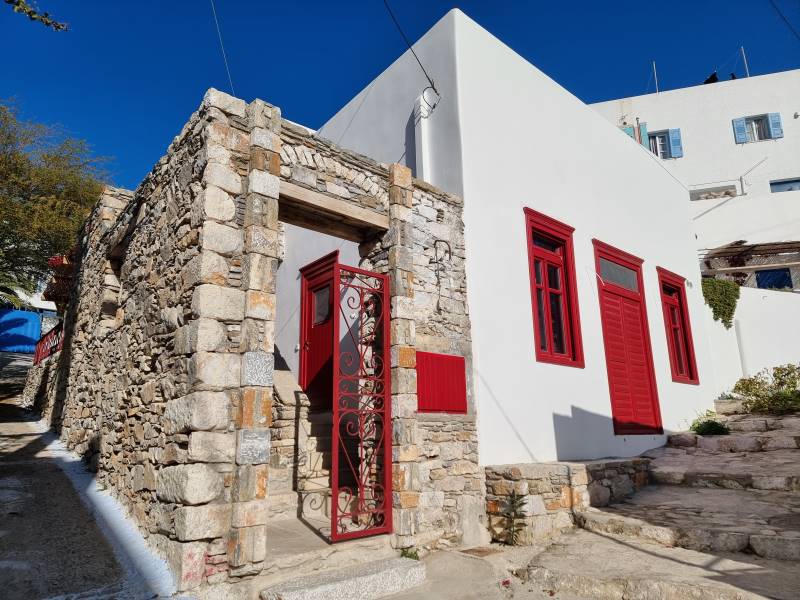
{"type": "Point", "coordinates": [540, 316]}
{"type": "Point", "coordinates": [322, 304]}
{"type": "Point", "coordinates": [553, 277]}
{"type": "Point", "coordinates": [557, 320]}
{"type": "Point", "coordinates": [611, 272]}
{"type": "Point", "coordinates": [774, 279]}
{"type": "Point", "coordinates": [545, 242]}
{"type": "Point", "coordinates": [537, 268]}
{"type": "Point", "coordinates": [673, 316]}
{"type": "Point", "coordinates": [669, 291]}
{"type": "Point", "coordinates": [788, 185]}
{"type": "Point", "coordinates": [680, 352]}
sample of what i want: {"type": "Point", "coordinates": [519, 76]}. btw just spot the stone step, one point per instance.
{"type": "Point", "coordinates": [754, 423]}
{"type": "Point", "coordinates": [767, 441]}
{"type": "Point", "coordinates": [728, 406]}
{"type": "Point", "coordinates": [601, 567]}
{"type": "Point", "coordinates": [765, 523]}
{"type": "Point", "coordinates": [376, 579]}
{"type": "Point", "coordinates": [775, 470]}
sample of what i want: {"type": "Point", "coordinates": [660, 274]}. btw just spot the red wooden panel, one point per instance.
{"type": "Point", "coordinates": [441, 383]}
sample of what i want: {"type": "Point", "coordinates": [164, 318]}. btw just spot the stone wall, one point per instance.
{"type": "Point", "coordinates": [554, 493]}
{"type": "Point", "coordinates": [165, 382]}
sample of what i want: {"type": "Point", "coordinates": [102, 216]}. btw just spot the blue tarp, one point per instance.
{"type": "Point", "coordinates": [19, 330]}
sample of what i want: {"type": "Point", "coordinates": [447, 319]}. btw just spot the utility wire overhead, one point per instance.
{"type": "Point", "coordinates": [785, 20]}
{"type": "Point", "coordinates": [408, 43]}
{"type": "Point", "coordinates": [222, 47]}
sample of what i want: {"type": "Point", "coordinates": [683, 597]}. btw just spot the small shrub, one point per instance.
{"type": "Point", "coordinates": [513, 514]}
{"type": "Point", "coordinates": [721, 295]}
{"type": "Point", "coordinates": [707, 424]}
{"type": "Point", "coordinates": [411, 553]}
{"type": "Point", "coordinates": [775, 392]}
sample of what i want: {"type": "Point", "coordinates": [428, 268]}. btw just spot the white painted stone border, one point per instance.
{"type": "Point", "coordinates": [146, 575]}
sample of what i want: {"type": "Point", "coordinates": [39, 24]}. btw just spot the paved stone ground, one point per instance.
{"type": "Point", "coordinates": [50, 543]}
{"type": "Point", "coordinates": [603, 567]}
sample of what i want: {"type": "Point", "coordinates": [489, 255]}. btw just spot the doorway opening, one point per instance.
{"type": "Point", "coordinates": [345, 477]}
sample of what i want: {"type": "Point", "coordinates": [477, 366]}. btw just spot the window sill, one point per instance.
{"type": "Point", "coordinates": [685, 380]}
{"type": "Point", "coordinates": [563, 362]}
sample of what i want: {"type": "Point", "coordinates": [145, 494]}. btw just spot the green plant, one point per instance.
{"type": "Point", "coordinates": [708, 424]}
{"type": "Point", "coordinates": [721, 295]}
{"type": "Point", "coordinates": [411, 553]}
{"type": "Point", "coordinates": [513, 512]}
{"type": "Point", "coordinates": [771, 392]}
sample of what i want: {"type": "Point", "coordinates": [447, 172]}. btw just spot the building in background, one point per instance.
{"type": "Point", "coordinates": [735, 146]}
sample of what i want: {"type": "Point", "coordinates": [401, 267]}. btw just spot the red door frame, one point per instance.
{"type": "Point", "coordinates": [679, 283]}
{"type": "Point", "coordinates": [603, 250]}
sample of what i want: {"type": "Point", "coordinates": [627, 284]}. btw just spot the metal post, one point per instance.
{"type": "Point", "coordinates": [744, 59]}
{"type": "Point", "coordinates": [655, 75]}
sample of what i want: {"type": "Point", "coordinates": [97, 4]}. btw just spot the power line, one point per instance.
{"type": "Point", "coordinates": [785, 20]}
{"type": "Point", "coordinates": [222, 47]}
{"type": "Point", "coordinates": [400, 29]}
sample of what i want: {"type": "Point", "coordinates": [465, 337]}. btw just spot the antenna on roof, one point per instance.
{"type": "Point", "coordinates": [744, 58]}
{"type": "Point", "coordinates": [655, 75]}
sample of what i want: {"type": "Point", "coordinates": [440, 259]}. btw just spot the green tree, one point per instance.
{"type": "Point", "coordinates": [31, 11]}
{"type": "Point", "coordinates": [48, 185]}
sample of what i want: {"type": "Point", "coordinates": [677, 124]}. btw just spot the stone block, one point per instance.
{"type": "Point", "coordinates": [404, 381]}
{"type": "Point", "coordinates": [221, 239]}
{"type": "Point", "coordinates": [400, 197]}
{"type": "Point", "coordinates": [202, 522]}
{"type": "Point", "coordinates": [251, 483]}
{"type": "Point", "coordinates": [200, 411]}
{"type": "Point", "coordinates": [211, 447]}
{"type": "Point", "coordinates": [188, 484]}
{"type": "Point", "coordinates": [223, 177]}
{"type": "Point", "coordinates": [404, 356]}
{"type": "Point", "coordinates": [247, 514]}
{"type": "Point", "coordinates": [261, 210]}
{"type": "Point", "coordinates": [533, 505]}
{"type": "Point", "coordinates": [215, 370]}
{"type": "Point", "coordinates": [201, 335]}
{"type": "Point", "coordinates": [260, 240]}
{"type": "Point", "coordinates": [404, 405]}
{"type": "Point", "coordinates": [405, 521]}
{"type": "Point", "coordinates": [258, 272]}
{"type": "Point", "coordinates": [218, 302]}
{"type": "Point", "coordinates": [599, 495]}
{"type": "Point", "coordinates": [186, 562]}
{"type": "Point", "coordinates": [400, 175]}
{"type": "Point", "coordinates": [260, 305]}
{"type": "Point", "coordinates": [224, 102]}
{"type": "Point", "coordinates": [266, 184]}
{"type": "Point", "coordinates": [206, 267]}
{"type": "Point", "coordinates": [264, 138]}
{"type": "Point", "coordinates": [403, 332]}
{"type": "Point", "coordinates": [255, 408]}
{"type": "Point", "coordinates": [252, 446]}
{"type": "Point", "coordinates": [247, 545]}
{"type": "Point", "coordinates": [403, 308]}
{"type": "Point", "coordinates": [257, 369]}
{"type": "Point", "coordinates": [684, 439]}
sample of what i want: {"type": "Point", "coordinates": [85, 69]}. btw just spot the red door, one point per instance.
{"type": "Point", "coordinates": [626, 338]}
{"type": "Point", "coordinates": [316, 331]}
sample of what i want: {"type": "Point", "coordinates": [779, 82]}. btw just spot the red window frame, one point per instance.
{"type": "Point", "coordinates": [563, 260]}
{"type": "Point", "coordinates": [441, 383]}
{"type": "Point", "coordinates": [678, 328]}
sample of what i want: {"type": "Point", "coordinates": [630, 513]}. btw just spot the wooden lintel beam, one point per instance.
{"type": "Point", "coordinates": [340, 210]}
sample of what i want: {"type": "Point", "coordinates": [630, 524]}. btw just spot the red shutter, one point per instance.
{"type": "Point", "coordinates": [441, 383]}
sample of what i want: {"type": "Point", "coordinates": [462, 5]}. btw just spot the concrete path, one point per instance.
{"type": "Point", "coordinates": [57, 538]}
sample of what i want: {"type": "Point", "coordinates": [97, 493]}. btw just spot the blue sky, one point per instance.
{"type": "Point", "coordinates": [129, 73]}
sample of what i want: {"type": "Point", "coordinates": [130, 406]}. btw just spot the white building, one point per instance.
{"type": "Point", "coordinates": [542, 391]}
{"type": "Point", "coordinates": [735, 146]}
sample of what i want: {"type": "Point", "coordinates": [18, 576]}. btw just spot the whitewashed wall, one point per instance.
{"type": "Point", "coordinates": [711, 157]}
{"type": "Point", "coordinates": [302, 246]}
{"type": "Point", "coordinates": [521, 140]}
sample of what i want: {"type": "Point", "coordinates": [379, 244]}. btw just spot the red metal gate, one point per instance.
{"type": "Point", "coordinates": [361, 484]}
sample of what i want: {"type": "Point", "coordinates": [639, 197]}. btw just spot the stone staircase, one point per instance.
{"type": "Point", "coordinates": [712, 500]}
